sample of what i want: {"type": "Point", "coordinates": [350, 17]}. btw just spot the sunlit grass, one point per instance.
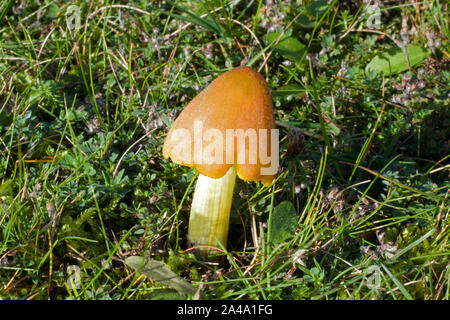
{"type": "Point", "coordinates": [84, 110]}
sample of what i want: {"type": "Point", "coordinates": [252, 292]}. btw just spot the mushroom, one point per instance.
{"type": "Point", "coordinates": [228, 129]}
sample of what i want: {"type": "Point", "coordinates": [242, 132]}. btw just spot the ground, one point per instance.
{"type": "Point", "coordinates": [360, 207]}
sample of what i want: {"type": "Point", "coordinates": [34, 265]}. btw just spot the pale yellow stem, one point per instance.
{"type": "Point", "coordinates": [210, 211]}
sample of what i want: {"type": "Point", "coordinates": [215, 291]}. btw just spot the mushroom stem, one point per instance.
{"type": "Point", "coordinates": [210, 211]}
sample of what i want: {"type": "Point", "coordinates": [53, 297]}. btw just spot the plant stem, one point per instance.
{"type": "Point", "coordinates": [210, 211]}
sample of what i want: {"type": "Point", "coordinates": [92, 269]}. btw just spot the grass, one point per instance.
{"type": "Point", "coordinates": [86, 101]}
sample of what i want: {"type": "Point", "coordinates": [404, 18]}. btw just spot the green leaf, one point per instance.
{"type": "Point", "coordinates": [207, 22]}
{"type": "Point", "coordinates": [310, 17]}
{"type": "Point", "coordinates": [317, 8]}
{"type": "Point", "coordinates": [305, 21]}
{"type": "Point", "coordinates": [5, 119]}
{"type": "Point", "coordinates": [394, 61]}
{"type": "Point", "coordinates": [6, 188]}
{"type": "Point", "coordinates": [283, 222]}
{"type": "Point", "coordinates": [165, 295]}
{"type": "Point", "coordinates": [288, 47]}
{"type": "Point", "coordinates": [4, 7]}
{"type": "Point", "coordinates": [397, 282]}
{"type": "Point", "coordinates": [159, 272]}
{"type": "Point", "coordinates": [52, 11]}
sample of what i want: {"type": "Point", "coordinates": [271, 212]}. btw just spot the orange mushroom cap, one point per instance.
{"type": "Point", "coordinates": [237, 99]}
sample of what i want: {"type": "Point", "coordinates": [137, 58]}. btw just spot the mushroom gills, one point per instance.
{"type": "Point", "coordinates": [210, 211]}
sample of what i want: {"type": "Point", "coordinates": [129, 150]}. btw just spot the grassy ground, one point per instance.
{"type": "Point", "coordinates": [89, 89]}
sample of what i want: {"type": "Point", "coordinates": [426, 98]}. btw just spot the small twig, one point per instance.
{"type": "Point", "coordinates": [439, 169]}
{"type": "Point", "coordinates": [257, 41]}
{"type": "Point", "coordinates": [404, 284]}
{"type": "Point", "coordinates": [6, 147]}
{"type": "Point", "coordinates": [129, 148]}
{"type": "Point", "coordinates": [45, 41]}
{"type": "Point", "coordinates": [353, 24]}
{"type": "Point", "coordinates": [119, 6]}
